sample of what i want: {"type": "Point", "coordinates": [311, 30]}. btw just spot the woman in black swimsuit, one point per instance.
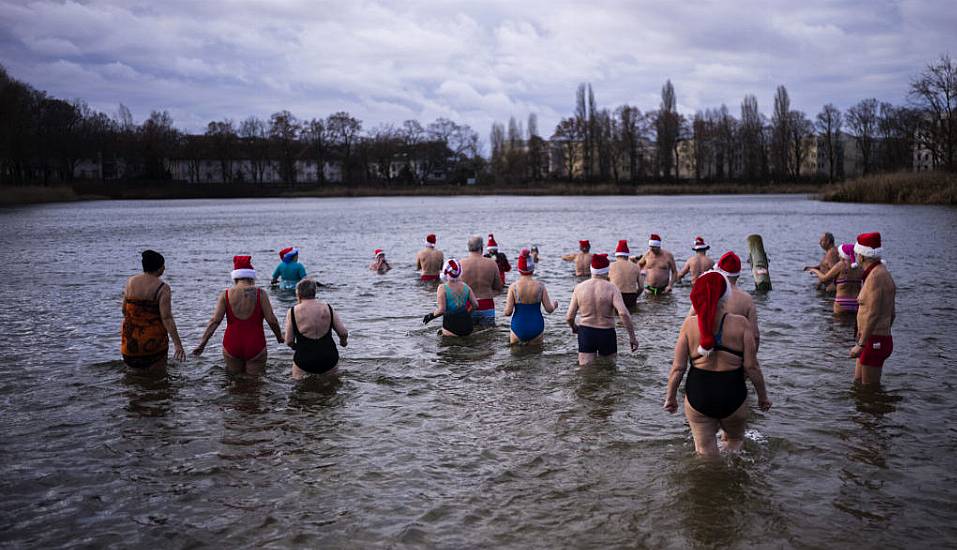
{"type": "Point", "coordinates": [721, 356]}
{"type": "Point", "coordinates": [309, 327]}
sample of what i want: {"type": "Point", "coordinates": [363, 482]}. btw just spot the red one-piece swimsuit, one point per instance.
{"type": "Point", "coordinates": [244, 338]}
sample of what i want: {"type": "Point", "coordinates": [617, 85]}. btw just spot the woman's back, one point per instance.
{"type": "Point", "coordinates": [456, 297]}
{"type": "Point", "coordinates": [527, 291]}
{"type": "Point", "coordinates": [728, 353]}
{"type": "Point", "coordinates": [313, 318]}
{"type": "Point", "coordinates": [243, 301]}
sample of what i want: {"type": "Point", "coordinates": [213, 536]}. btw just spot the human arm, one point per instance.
{"type": "Point", "coordinates": [867, 315]}
{"type": "Point", "coordinates": [684, 271]}
{"type": "Point", "coordinates": [753, 371]}
{"type": "Point", "coordinates": [679, 364]}
{"type": "Point", "coordinates": [547, 303]}
{"type": "Point", "coordinates": [290, 334]}
{"type": "Point", "coordinates": [625, 317]}
{"type": "Point", "coordinates": [510, 301]}
{"type": "Point", "coordinates": [270, 317]}
{"type": "Point", "coordinates": [166, 314]}
{"type": "Point", "coordinates": [213, 324]}
{"type": "Point", "coordinates": [440, 302]}
{"type": "Point", "coordinates": [496, 279]}
{"type": "Point", "coordinates": [831, 275]}
{"type": "Point", "coordinates": [569, 257]}
{"type": "Point", "coordinates": [340, 328]}
{"type": "Point", "coordinates": [418, 262]}
{"type": "Point", "coordinates": [753, 318]}
{"type": "Point", "coordinates": [673, 273]}
{"type": "Point", "coordinates": [275, 275]}
{"type": "Point", "coordinates": [503, 264]}
{"type": "Point", "coordinates": [572, 312]}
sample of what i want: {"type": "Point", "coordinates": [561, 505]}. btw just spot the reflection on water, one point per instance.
{"type": "Point", "coordinates": [448, 442]}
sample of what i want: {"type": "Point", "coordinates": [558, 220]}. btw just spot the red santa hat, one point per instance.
{"type": "Point", "coordinates": [452, 269]}
{"type": "Point", "coordinates": [430, 240]}
{"type": "Point", "coordinates": [491, 245]}
{"type": "Point", "coordinates": [584, 245]}
{"type": "Point", "coordinates": [284, 251]}
{"type": "Point", "coordinates": [622, 249]}
{"type": "Point", "coordinates": [526, 265]}
{"type": "Point", "coordinates": [699, 244]}
{"type": "Point", "coordinates": [599, 264]}
{"type": "Point", "coordinates": [243, 268]}
{"type": "Point", "coordinates": [654, 240]}
{"type": "Point", "coordinates": [708, 290]}
{"type": "Point", "coordinates": [729, 265]}
{"type": "Point", "coordinates": [377, 252]}
{"type": "Point", "coordinates": [868, 245]}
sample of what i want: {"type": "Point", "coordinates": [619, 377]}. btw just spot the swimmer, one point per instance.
{"type": "Point", "coordinates": [582, 258]}
{"type": "Point", "coordinates": [245, 309]}
{"type": "Point", "coordinates": [289, 270]}
{"type": "Point", "coordinates": [309, 327]}
{"type": "Point", "coordinates": [379, 263]}
{"type": "Point", "coordinates": [697, 264]}
{"type": "Point", "coordinates": [453, 299]}
{"type": "Point", "coordinates": [830, 259]}
{"type": "Point", "coordinates": [625, 275]}
{"type": "Point", "coordinates": [846, 277]}
{"type": "Point", "coordinates": [876, 311]}
{"type": "Point", "coordinates": [148, 321]}
{"type": "Point", "coordinates": [482, 276]}
{"type": "Point", "coordinates": [526, 298]}
{"type": "Point", "coordinates": [599, 300]}
{"type": "Point", "coordinates": [721, 356]}
{"type": "Point", "coordinates": [500, 259]}
{"type": "Point", "coordinates": [660, 268]}
{"type": "Point", "coordinates": [534, 251]}
{"type": "Point", "coordinates": [428, 262]}
{"type": "Point", "coordinates": [739, 302]}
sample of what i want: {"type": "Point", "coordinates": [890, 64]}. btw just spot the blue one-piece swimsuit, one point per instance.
{"type": "Point", "coordinates": [527, 320]}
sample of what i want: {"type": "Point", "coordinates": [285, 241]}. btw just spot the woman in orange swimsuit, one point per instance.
{"type": "Point", "coordinates": [245, 309]}
{"type": "Point", "coordinates": [148, 317]}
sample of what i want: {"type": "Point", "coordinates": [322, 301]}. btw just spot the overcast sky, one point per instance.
{"type": "Point", "coordinates": [473, 62]}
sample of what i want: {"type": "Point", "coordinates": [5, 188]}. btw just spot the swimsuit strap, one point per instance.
{"type": "Point", "coordinates": [717, 335]}
{"type": "Point", "coordinates": [157, 293]}
{"type": "Point", "coordinates": [295, 326]}
{"type": "Point", "coordinates": [229, 309]}
{"type": "Point", "coordinates": [331, 317]}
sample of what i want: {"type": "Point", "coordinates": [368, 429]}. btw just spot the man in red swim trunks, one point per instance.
{"type": "Point", "coordinates": [482, 276]}
{"type": "Point", "coordinates": [875, 314]}
{"type": "Point", "coordinates": [429, 260]}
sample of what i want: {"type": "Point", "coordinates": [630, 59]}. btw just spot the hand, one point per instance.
{"type": "Point", "coordinates": [764, 404]}
{"type": "Point", "coordinates": [634, 344]}
{"type": "Point", "coordinates": [280, 339]}
{"type": "Point", "coordinates": [671, 404]}
{"type": "Point", "coordinates": [179, 355]}
{"type": "Point", "coordinates": [555, 304]}
{"type": "Point", "coordinates": [667, 289]}
{"type": "Point", "coordinates": [428, 318]}
{"type": "Point", "coordinates": [808, 267]}
{"type": "Point", "coordinates": [199, 350]}
{"type": "Point", "coordinates": [856, 350]}
{"type": "Point", "coordinates": [343, 342]}
{"type": "Point", "coordinates": [574, 328]}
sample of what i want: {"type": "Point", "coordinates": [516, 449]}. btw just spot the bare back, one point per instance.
{"type": "Point", "coordinates": [624, 275]}
{"type": "Point", "coordinates": [598, 302]}
{"type": "Point", "coordinates": [429, 261]}
{"type": "Point", "coordinates": [481, 274]}
{"type": "Point", "coordinates": [698, 264]}
{"type": "Point", "coordinates": [734, 332]}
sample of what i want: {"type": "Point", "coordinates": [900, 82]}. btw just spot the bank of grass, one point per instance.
{"type": "Point", "coordinates": [139, 190]}
{"type": "Point", "coordinates": [897, 188]}
{"type": "Point", "coordinates": [36, 194]}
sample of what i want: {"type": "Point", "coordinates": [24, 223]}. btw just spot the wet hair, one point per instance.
{"type": "Point", "coordinates": [152, 261]}
{"type": "Point", "coordinates": [306, 288]}
{"type": "Point", "coordinates": [475, 243]}
{"type": "Point", "coordinates": [829, 237]}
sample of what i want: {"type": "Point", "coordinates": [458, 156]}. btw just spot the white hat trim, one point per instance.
{"type": "Point", "coordinates": [622, 254]}
{"type": "Point", "coordinates": [602, 271]}
{"type": "Point", "coordinates": [244, 274]}
{"type": "Point", "coordinates": [867, 251]}
{"type": "Point", "coordinates": [654, 243]}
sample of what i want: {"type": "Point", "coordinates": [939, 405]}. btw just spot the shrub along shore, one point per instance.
{"type": "Point", "coordinates": [897, 188]}
{"type": "Point", "coordinates": [10, 196]}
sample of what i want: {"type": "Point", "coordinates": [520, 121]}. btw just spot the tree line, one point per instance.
{"type": "Point", "coordinates": [43, 139]}
{"type": "Point", "coordinates": [625, 144]}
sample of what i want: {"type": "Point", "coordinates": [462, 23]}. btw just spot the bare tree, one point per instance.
{"type": "Point", "coordinates": [253, 132]}
{"type": "Point", "coordinates": [934, 91]}
{"type": "Point", "coordinates": [284, 130]}
{"type": "Point", "coordinates": [317, 138]}
{"type": "Point", "coordinates": [781, 133]}
{"type": "Point", "coordinates": [222, 139]}
{"type": "Point", "coordinates": [535, 149]}
{"type": "Point", "coordinates": [668, 126]}
{"type": "Point", "coordinates": [583, 130]}
{"type": "Point", "coordinates": [567, 137]}
{"type": "Point", "coordinates": [829, 122]}
{"type": "Point", "coordinates": [862, 121]}
{"type": "Point", "coordinates": [751, 139]}
{"type": "Point", "coordinates": [499, 149]}
{"type": "Point", "coordinates": [344, 130]}
{"type": "Point", "coordinates": [801, 131]}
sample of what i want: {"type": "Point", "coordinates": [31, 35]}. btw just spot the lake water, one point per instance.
{"type": "Point", "coordinates": [422, 442]}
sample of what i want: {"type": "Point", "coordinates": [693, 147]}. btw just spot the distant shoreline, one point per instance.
{"type": "Point", "coordinates": [23, 195]}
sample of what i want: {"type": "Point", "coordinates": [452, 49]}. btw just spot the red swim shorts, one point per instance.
{"type": "Point", "coordinates": [876, 350]}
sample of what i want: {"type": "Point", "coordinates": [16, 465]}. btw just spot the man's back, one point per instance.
{"type": "Point", "coordinates": [481, 274]}
{"type": "Point", "coordinates": [430, 260]}
{"type": "Point", "coordinates": [877, 300]}
{"type": "Point", "coordinates": [595, 301]}
{"type": "Point", "coordinates": [624, 274]}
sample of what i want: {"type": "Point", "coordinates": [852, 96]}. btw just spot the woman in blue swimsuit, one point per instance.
{"type": "Point", "coordinates": [526, 298]}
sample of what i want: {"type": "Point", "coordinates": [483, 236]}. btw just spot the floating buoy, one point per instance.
{"type": "Point", "coordinates": [759, 263]}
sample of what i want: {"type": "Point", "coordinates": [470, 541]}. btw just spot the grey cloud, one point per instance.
{"type": "Point", "coordinates": [473, 62]}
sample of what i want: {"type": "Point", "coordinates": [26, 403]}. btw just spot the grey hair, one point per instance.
{"type": "Point", "coordinates": [306, 288]}
{"type": "Point", "coordinates": [475, 243]}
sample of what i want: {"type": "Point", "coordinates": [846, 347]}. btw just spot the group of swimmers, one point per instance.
{"type": "Point", "coordinates": [717, 344]}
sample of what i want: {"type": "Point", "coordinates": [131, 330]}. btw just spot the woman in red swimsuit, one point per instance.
{"type": "Point", "coordinates": [245, 309]}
